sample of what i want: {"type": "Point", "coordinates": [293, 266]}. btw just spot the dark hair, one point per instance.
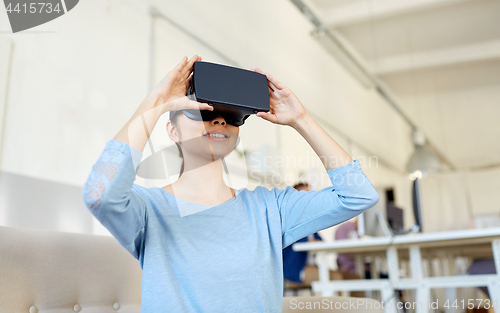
{"type": "Point", "coordinates": [173, 118]}
{"type": "Point", "coordinates": [301, 185]}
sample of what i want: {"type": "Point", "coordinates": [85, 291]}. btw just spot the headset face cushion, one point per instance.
{"type": "Point", "coordinates": [205, 115]}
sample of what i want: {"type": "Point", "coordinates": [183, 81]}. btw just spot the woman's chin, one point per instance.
{"type": "Point", "coordinates": [221, 148]}
{"type": "Point", "coordinates": [218, 153]}
{"type": "Point", "coordinates": [208, 148]}
{"type": "Point", "coordinates": [221, 153]}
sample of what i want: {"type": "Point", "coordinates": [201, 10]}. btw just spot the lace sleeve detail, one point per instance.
{"type": "Point", "coordinates": [109, 195]}
{"type": "Point", "coordinates": [103, 173]}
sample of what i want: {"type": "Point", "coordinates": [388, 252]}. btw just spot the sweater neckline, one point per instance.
{"type": "Point", "coordinates": [233, 199]}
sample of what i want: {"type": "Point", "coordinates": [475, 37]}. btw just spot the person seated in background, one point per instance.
{"type": "Point", "coordinates": [346, 264]}
{"type": "Point", "coordinates": [294, 262]}
{"type": "Point", "coordinates": [347, 230]}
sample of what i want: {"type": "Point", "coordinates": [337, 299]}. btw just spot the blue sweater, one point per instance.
{"type": "Point", "coordinates": [223, 258]}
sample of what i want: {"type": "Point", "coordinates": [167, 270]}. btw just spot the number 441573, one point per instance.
{"type": "Point", "coordinates": [481, 303]}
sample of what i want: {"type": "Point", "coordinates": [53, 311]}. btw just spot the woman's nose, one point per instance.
{"type": "Point", "coordinates": [218, 120]}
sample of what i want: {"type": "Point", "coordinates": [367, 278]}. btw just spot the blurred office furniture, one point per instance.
{"type": "Point", "coordinates": [311, 274]}
{"type": "Point", "coordinates": [480, 267]}
{"type": "Point", "coordinates": [324, 304]}
{"type": "Point", "coordinates": [471, 243]}
{"type": "Point", "coordinates": [43, 271]}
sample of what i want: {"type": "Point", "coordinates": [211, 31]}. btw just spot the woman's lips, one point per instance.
{"type": "Point", "coordinates": [217, 136]}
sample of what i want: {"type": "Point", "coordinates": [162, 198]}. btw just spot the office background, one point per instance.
{"type": "Point", "coordinates": [68, 86]}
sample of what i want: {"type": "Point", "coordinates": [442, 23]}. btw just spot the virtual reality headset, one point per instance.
{"type": "Point", "coordinates": [234, 93]}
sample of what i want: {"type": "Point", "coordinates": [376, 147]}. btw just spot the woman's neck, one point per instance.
{"type": "Point", "coordinates": [203, 184]}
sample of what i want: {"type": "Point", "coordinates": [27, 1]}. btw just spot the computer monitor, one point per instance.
{"type": "Point", "coordinates": [417, 208]}
{"type": "Point", "coordinates": [393, 213]}
{"type": "Point", "coordinates": [395, 218]}
{"type": "Point", "coordinates": [373, 222]}
{"type": "Point", "coordinates": [383, 219]}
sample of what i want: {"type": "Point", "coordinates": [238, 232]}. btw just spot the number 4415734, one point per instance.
{"type": "Point", "coordinates": [33, 7]}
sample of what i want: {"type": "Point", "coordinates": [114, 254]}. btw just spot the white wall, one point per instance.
{"type": "Point", "coordinates": [72, 87]}
{"type": "Point", "coordinates": [484, 189]}
{"type": "Point", "coordinates": [446, 202]}
{"type": "Point", "coordinates": [452, 200]}
{"type": "Point", "coordinates": [73, 84]}
{"type": "Point", "coordinates": [5, 59]}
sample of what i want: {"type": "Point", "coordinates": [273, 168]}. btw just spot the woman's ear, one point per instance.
{"type": "Point", "coordinates": [172, 132]}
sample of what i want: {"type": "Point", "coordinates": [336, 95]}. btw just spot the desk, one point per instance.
{"type": "Point", "coordinates": [471, 242]}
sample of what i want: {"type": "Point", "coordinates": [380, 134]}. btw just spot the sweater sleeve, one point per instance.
{"type": "Point", "coordinates": [110, 196]}
{"type": "Point", "coordinates": [306, 212]}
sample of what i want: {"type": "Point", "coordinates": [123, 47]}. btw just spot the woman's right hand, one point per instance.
{"type": "Point", "coordinates": [170, 93]}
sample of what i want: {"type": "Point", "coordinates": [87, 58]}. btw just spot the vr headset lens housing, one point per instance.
{"type": "Point", "coordinates": [205, 115]}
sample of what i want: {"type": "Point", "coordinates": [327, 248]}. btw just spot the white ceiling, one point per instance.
{"type": "Point", "coordinates": [441, 60]}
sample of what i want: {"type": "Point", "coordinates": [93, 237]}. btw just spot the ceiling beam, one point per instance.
{"type": "Point", "coordinates": [443, 57]}
{"type": "Point", "coordinates": [327, 37]}
{"type": "Point", "coordinates": [361, 10]}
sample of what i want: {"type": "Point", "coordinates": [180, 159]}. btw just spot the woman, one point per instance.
{"type": "Point", "coordinates": [203, 246]}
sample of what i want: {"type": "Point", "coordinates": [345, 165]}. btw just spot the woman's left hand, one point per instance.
{"type": "Point", "coordinates": [285, 108]}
